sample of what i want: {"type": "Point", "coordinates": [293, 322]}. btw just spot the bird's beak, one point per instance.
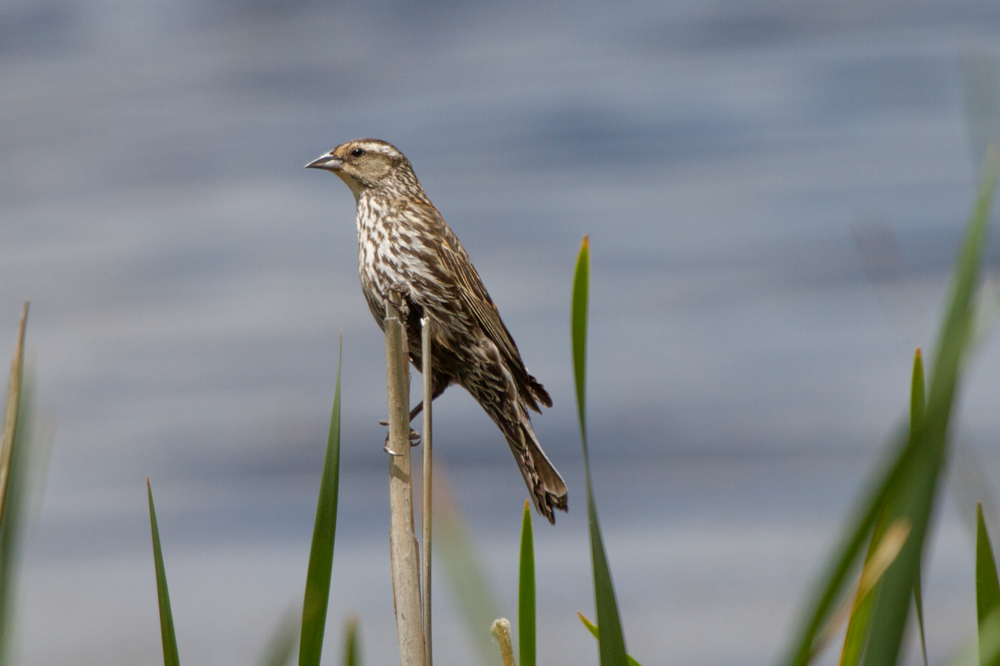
{"type": "Point", "coordinates": [328, 162]}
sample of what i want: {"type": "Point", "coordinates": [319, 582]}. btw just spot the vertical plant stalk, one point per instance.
{"type": "Point", "coordinates": [281, 644]}
{"type": "Point", "coordinates": [167, 633]}
{"type": "Point", "coordinates": [427, 469]}
{"type": "Point", "coordinates": [352, 643]}
{"type": "Point", "coordinates": [501, 632]}
{"type": "Point", "coordinates": [13, 403]}
{"type": "Point", "coordinates": [317, 592]}
{"type": "Point", "coordinates": [476, 603]}
{"type": "Point", "coordinates": [405, 561]}
{"type": "Point", "coordinates": [14, 479]}
{"type": "Point", "coordinates": [612, 645]}
{"type": "Point", "coordinates": [526, 591]}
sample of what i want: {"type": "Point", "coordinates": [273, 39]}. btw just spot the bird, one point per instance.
{"type": "Point", "coordinates": [406, 248]}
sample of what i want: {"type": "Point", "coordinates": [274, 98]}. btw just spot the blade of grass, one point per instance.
{"type": "Point", "coordinates": [170, 656]}
{"type": "Point", "coordinates": [281, 645]}
{"type": "Point", "coordinates": [918, 604]}
{"type": "Point", "coordinates": [889, 545]}
{"type": "Point", "coordinates": [857, 628]}
{"type": "Point", "coordinates": [980, 72]}
{"type": "Point", "coordinates": [834, 580]}
{"type": "Point", "coordinates": [988, 640]}
{"type": "Point", "coordinates": [317, 593]}
{"type": "Point", "coordinates": [15, 459]}
{"type": "Point", "coordinates": [10, 422]}
{"type": "Point", "coordinates": [918, 405]}
{"type": "Point", "coordinates": [918, 394]}
{"type": "Point", "coordinates": [987, 585]}
{"type": "Point", "coordinates": [612, 647]}
{"type": "Point", "coordinates": [967, 654]}
{"type": "Point", "coordinates": [581, 297]}
{"type": "Point", "coordinates": [918, 489]}
{"type": "Point", "coordinates": [526, 592]}
{"type": "Point", "coordinates": [466, 576]}
{"type": "Point", "coordinates": [596, 633]}
{"type": "Point", "coordinates": [352, 642]}
{"type": "Point", "coordinates": [912, 475]}
{"type": "Point", "coordinates": [881, 489]}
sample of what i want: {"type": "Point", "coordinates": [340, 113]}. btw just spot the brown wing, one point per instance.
{"type": "Point", "coordinates": [475, 297]}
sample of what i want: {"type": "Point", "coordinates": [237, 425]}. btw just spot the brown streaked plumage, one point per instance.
{"type": "Point", "coordinates": [406, 247]}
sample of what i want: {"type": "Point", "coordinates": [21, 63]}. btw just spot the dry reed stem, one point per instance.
{"type": "Point", "coordinates": [405, 561]}
{"type": "Point", "coordinates": [501, 632]}
{"type": "Point", "coordinates": [425, 506]}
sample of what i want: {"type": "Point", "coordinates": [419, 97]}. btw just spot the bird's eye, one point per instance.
{"type": "Point", "coordinates": [357, 152]}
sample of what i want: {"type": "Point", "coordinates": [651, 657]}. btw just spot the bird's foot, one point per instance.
{"type": "Point", "coordinates": [414, 437]}
{"type": "Point", "coordinates": [398, 294]}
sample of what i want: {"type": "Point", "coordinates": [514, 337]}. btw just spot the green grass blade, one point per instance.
{"type": "Point", "coordinates": [317, 594]}
{"type": "Point", "coordinates": [980, 71]}
{"type": "Point", "coordinates": [912, 477]}
{"type": "Point", "coordinates": [454, 549]}
{"type": "Point", "coordinates": [612, 647]}
{"type": "Point", "coordinates": [596, 633]}
{"type": "Point", "coordinates": [918, 394]}
{"type": "Point", "coordinates": [15, 477]}
{"type": "Point", "coordinates": [918, 604]}
{"type": "Point", "coordinates": [857, 628]}
{"type": "Point", "coordinates": [966, 654]}
{"type": "Point", "coordinates": [591, 627]}
{"type": "Point", "coordinates": [919, 488]}
{"type": "Point", "coordinates": [845, 555]}
{"type": "Point", "coordinates": [987, 586]}
{"type": "Point", "coordinates": [857, 633]}
{"type": "Point", "coordinates": [988, 640]}
{"type": "Point", "coordinates": [581, 296]}
{"type": "Point", "coordinates": [170, 656]}
{"type": "Point", "coordinates": [281, 645]}
{"type": "Point", "coordinates": [918, 399]}
{"type": "Point", "coordinates": [526, 592]}
{"type": "Point", "coordinates": [352, 643]}
{"type": "Point", "coordinates": [13, 403]}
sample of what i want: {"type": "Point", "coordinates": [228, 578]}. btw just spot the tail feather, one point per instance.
{"type": "Point", "coordinates": [547, 488]}
{"type": "Point", "coordinates": [538, 392]}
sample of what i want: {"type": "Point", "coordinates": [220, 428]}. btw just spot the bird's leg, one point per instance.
{"type": "Point", "coordinates": [400, 295]}
{"type": "Point", "coordinates": [438, 390]}
{"type": "Point", "coordinates": [414, 435]}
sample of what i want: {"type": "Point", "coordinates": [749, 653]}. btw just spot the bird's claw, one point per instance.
{"type": "Point", "coordinates": [414, 437]}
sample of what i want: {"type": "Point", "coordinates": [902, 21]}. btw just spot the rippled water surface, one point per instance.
{"type": "Point", "coordinates": [774, 192]}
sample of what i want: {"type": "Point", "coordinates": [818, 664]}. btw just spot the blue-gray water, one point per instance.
{"type": "Point", "coordinates": [774, 192]}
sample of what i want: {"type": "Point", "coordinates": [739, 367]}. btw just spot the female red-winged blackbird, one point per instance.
{"type": "Point", "coordinates": [407, 248]}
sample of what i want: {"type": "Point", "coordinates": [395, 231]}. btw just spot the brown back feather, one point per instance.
{"type": "Point", "coordinates": [474, 296]}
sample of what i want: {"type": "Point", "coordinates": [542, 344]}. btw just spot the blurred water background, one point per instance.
{"type": "Point", "coordinates": [774, 193]}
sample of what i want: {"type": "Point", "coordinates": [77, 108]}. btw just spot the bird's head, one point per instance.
{"type": "Point", "coordinates": [364, 164]}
